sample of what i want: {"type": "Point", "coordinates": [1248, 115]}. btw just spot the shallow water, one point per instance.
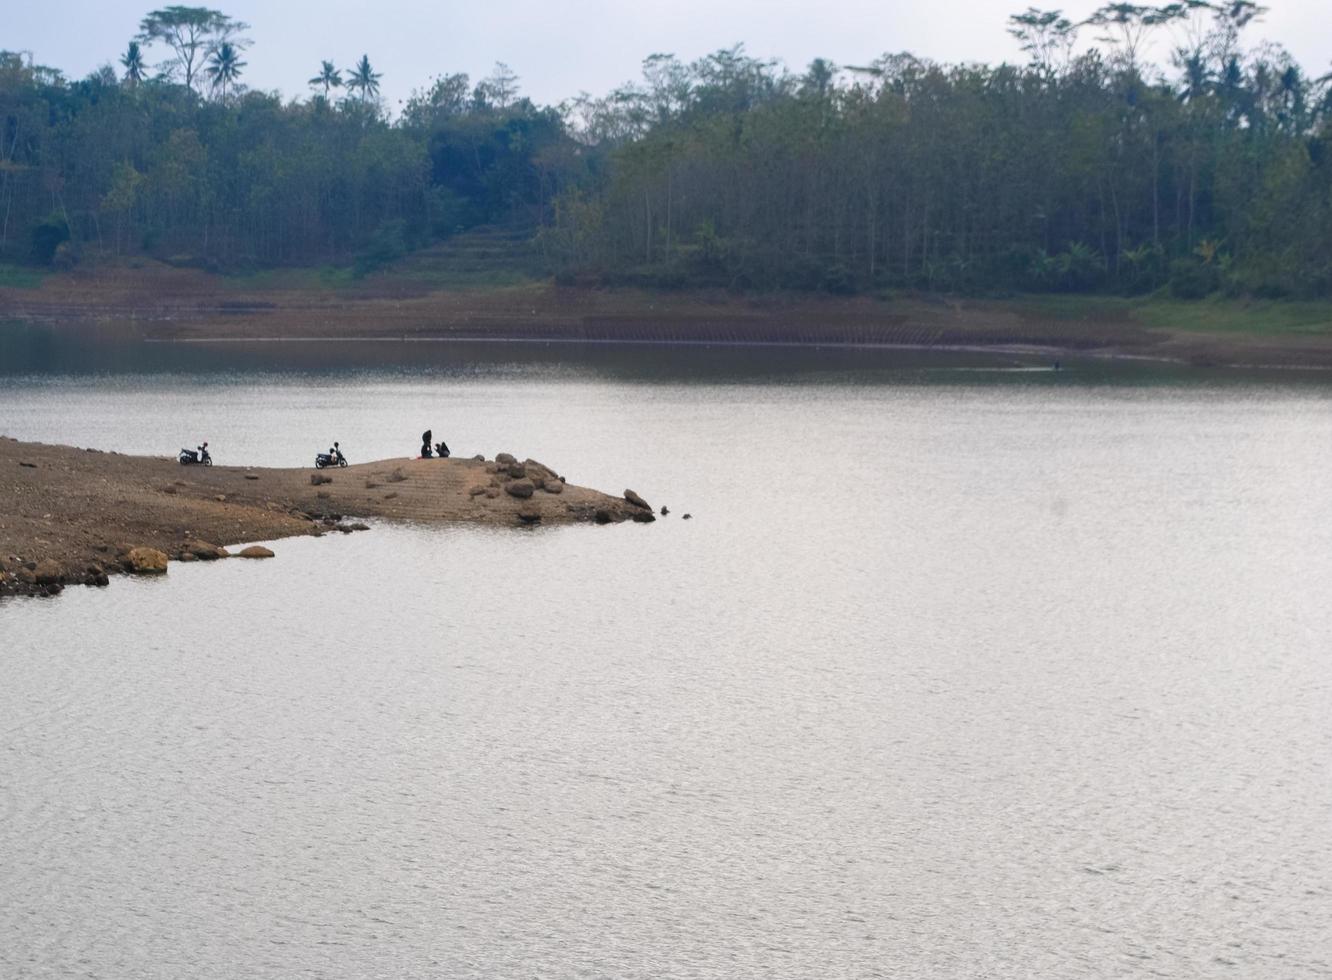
{"type": "Point", "coordinates": [960, 669]}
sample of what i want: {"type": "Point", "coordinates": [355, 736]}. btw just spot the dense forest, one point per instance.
{"type": "Point", "coordinates": [1086, 168]}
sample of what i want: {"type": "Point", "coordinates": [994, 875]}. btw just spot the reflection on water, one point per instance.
{"type": "Point", "coordinates": [954, 673]}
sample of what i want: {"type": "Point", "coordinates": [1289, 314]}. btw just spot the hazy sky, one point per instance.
{"type": "Point", "coordinates": [561, 48]}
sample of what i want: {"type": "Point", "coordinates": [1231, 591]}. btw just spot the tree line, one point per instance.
{"type": "Point", "coordinates": [1088, 167]}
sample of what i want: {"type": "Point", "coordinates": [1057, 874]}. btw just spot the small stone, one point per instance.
{"type": "Point", "coordinates": [521, 489]}
{"type": "Point", "coordinates": [318, 479]}
{"type": "Point", "coordinates": [168, 489]}
{"type": "Point", "coordinates": [323, 495]}
{"type": "Point", "coordinates": [636, 500]}
{"type": "Point", "coordinates": [478, 458]}
{"type": "Point", "coordinates": [31, 466]}
{"type": "Point", "coordinates": [358, 527]}
{"type": "Point", "coordinates": [505, 458]}
{"type": "Point", "coordinates": [251, 476]}
{"type": "Point", "coordinates": [665, 510]}
{"type": "Point", "coordinates": [553, 486]}
{"type": "Point", "coordinates": [603, 516]}
{"type": "Point", "coordinates": [687, 517]}
{"type": "Point", "coordinates": [256, 551]}
{"type": "Point", "coordinates": [390, 496]}
{"type": "Point", "coordinates": [476, 491]}
{"type": "Point", "coordinates": [492, 492]}
{"type": "Point", "coordinates": [221, 498]}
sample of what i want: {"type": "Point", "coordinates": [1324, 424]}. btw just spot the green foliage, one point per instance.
{"type": "Point", "coordinates": [1192, 278]}
{"type": "Point", "coordinates": [1075, 173]}
{"type": "Point", "coordinates": [389, 243]}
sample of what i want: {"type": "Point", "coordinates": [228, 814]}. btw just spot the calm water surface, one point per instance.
{"type": "Point", "coordinates": [958, 671]}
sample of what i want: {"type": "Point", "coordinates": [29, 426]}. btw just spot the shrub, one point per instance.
{"type": "Point", "coordinates": [1192, 279]}
{"type": "Point", "coordinates": [47, 237]}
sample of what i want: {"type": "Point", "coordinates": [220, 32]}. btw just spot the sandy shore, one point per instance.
{"type": "Point", "coordinates": [82, 511]}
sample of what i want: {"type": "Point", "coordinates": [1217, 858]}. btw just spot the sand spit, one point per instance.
{"type": "Point", "coordinates": [78, 516]}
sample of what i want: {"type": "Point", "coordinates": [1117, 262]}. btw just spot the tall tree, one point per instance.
{"type": "Point", "coordinates": [132, 61]}
{"type": "Point", "coordinates": [364, 80]}
{"type": "Point", "coordinates": [190, 33]}
{"type": "Point", "coordinates": [328, 77]}
{"type": "Point", "coordinates": [224, 67]}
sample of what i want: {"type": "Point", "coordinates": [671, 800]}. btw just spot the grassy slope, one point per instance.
{"type": "Point", "coordinates": [1258, 318]}
{"type": "Point", "coordinates": [19, 277]}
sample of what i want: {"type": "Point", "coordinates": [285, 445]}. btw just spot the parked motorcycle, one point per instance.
{"type": "Point", "coordinates": [335, 458]}
{"type": "Point", "coordinates": [191, 457]}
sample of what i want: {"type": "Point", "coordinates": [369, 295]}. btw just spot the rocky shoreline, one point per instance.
{"type": "Point", "coordinates": [71, 516]}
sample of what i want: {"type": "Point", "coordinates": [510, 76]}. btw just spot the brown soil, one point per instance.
{"type": "Point", "coordinates": [84, 508]}
{"type": "Point", "coordinates": [160, 302]}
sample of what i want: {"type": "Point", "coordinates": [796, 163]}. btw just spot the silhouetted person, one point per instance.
{"type": "Point", "coordinates": [442, 450]}
{"type": "Point", "coordinates": [425, 444]}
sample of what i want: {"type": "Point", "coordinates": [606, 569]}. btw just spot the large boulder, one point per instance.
{"type": "Point", "coordinates": [504, 459]}
{"type": "Point", "coordinates": [204, 551]}
{"type": "Point", "coordinates": [256, 551]}
{"type": "Point", "coordinates": [48, 572]}
{"type": "Point", "coordinates": [146, 561]}
{"type": "Point", "coordinates": [522, 489]}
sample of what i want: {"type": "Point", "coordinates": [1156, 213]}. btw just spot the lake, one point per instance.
{"type": "Point", "coordinates": [963, 667]}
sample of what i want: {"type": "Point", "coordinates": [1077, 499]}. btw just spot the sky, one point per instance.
{"type": "Point", "coordinates": [562, 47]}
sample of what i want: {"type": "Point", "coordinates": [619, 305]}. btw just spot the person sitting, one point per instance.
{"type": "Point", "coordinates": [442, 450]}
{"type": "Point", "coordinates": [425, 444]}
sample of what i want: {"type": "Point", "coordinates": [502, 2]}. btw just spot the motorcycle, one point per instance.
{"type": "Point", "coordinates": [334, 458]}
{"type": "Point", "coordinates": [189, 457]}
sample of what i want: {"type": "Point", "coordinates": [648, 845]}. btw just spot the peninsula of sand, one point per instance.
{"type": "Point", "coordinates": [78, 516]}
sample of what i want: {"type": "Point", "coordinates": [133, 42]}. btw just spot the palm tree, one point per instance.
{"type": "Point", "coordinates": [224, 67]}
{"type": "Point", "coordinates": [364, 79]}
{"type": "Point", "coordinates": [132, 60]}
{"type": "Point", "coordinates": [328, 76]}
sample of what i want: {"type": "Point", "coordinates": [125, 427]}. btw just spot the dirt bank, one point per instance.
{"type": "Point", "coordinates": [159, 302]}
{"type": "Point", "coordinates": [82, 511]}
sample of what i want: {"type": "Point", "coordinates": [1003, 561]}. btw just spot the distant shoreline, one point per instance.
{"type": "Point", "coordinates": [158, 303]}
